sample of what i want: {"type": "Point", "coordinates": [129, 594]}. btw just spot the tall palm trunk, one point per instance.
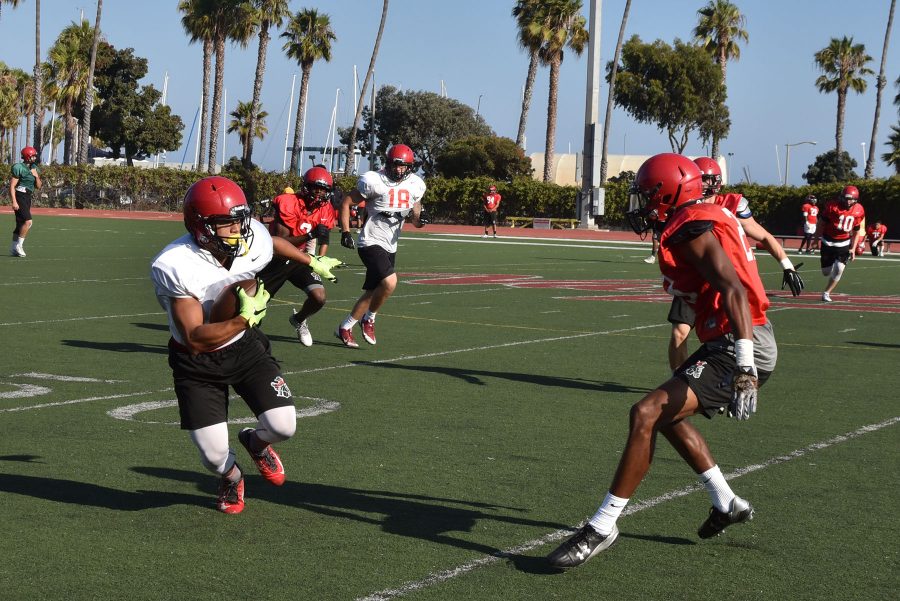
{"type": "Point", "coordinates": [38, 84]}
{"type": "Point", "coordinates": [526, 97]}
{"type": "Point", "coordinates": [257, 90]}
{"type": "Point", "coordinates": [723, 63]}
{"type": "Point", "coordinates": [879, 87]}
{"type": "Point", "coordinates": [351, 143]}
{"type": "Point", "coordinates": [204, 106]}
{"type": "Point", "coordinates": [71, 123]}
{"type": "Point", "coordinates": [216, 116]}
{"type": "Point", "coordinates": [551, 117]}
{"type": "Point", "coordinates": [89, 93]}
{"type": "Point", "coordinates": [839, 130]}
{"type": "Point", "coordinates": [305, 70]}
{"type": "Point", "coordinates": [612, 92]}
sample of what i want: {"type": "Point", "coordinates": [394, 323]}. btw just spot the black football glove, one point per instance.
{"type": "Point", "coordinates": [423, 218]}
{"type": "Point", "coordinates": [347, 240]}
{"type": "Point", "coordinates": [793, 280]}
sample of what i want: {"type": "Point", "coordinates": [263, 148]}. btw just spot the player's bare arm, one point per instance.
{"type": "Point", "coordinates": [13, 182]}
{"type": "Point", "coordinates": [283, 231]}
{"type": "Point", "coordinates": [417, 215]}
{"type": "Point", "coordinates": [352, 198]}
{"type": "Point", "coordinates": [199, 337]}
{"type": "Point", "coordinates": [283, 248]}
{"type": "Point", "coordinates": [38, 184]}
{"type": "Point", "coordinates": [707, 256]}
{"type": "Point", "coordinates": [753, 229]}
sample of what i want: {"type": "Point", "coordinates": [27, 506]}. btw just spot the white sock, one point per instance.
{"type": "Point", "coordinates": [605, 519]}
{"type": "Point", "coordinates": [720, 493]}
{"type": "Point", "coordinates": [369, 316]}
{"type": "Point", "coordinates": [348, 323]}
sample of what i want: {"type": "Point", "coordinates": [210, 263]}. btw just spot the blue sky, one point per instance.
{"type": "Point", "coordinates": [470, 46]}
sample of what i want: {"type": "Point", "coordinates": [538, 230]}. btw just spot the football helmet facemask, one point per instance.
{"type": "Point", "coordinates": [712, 175]}
{"type": "Point", "coordinates": [849, 196]}
{"type": "Point", "coordinates": [213, 202]}
{"type": "Point", "coordinates": [317, 187]}
{"type": "Point", "coordinates": [662, 183]}
{"type": "Point", "coordinates": [811, 199]}
{"type": "Point", "coordinates": [400, 160]}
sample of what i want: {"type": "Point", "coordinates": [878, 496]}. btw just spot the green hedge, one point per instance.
{"type": "Point", "coordinates": [447, 200]}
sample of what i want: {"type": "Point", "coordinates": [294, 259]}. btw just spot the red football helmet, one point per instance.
{"type": "Point", "coordinates": [317, 186]}
{"type": "Point", "coordinates": [29, 154]}
{"type": "Point", "coordinates": [214, 201]}
{"type": "Point", "coordinates": [712, 175]}
{"type": "Point", "coordinates": [400, 160]}
{"type": "Point", "coordinates": [849, 196]}
{"type": "Point", "coordinates": [492, 190]}
{"type": "Point", "coordinates": [811, 199]}
{"type": "Point", "coordinates": [662, 183]}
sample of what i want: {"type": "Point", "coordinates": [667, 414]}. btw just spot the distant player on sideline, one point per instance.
{"type": "Point", "coordinates": [875, 234]}
{"type": "Point", "coordinates": [839, 229]}
{"type": "Point", "coordinates": [224, 245]}
{"type": "Point", "coordinates": [392, 195]}
{"type": "Point", "coordinates": [26, 178]}
{"type": "Point", "coordinates": [810, 216]}
{"type": "Point", "coordinates": [705, 257]}
{"type": "Point", "coordinates": [491, 201]}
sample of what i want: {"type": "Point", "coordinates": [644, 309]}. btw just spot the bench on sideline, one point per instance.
{"type": "Point", "coordinates": [543, 223]}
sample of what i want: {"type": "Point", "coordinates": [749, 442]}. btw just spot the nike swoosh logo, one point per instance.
{"type": "Point", "coordinates": [253, 260]}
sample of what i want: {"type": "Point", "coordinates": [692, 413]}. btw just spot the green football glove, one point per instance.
{"type": "Point", "coordinates": [253, 308]}
{"type": "Point", "coordinates": [323, 268]}
{"type": "Point", "coordinates": [331, 262]}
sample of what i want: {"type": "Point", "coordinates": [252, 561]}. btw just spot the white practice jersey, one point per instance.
{"type": "Point", "coordinates": [184, 270]}
{"type": "Point", "coordinates": [388, 204]}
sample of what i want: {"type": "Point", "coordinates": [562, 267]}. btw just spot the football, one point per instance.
{"type": "Point", "coordinates": [227, 305]}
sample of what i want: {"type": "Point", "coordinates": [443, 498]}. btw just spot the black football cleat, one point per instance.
{"type": "Point", "coordinates": [740, 511]}
{"type": "Point", "coordinates": [583, 545]}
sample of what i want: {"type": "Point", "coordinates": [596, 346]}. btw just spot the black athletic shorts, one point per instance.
{"type": "Point", "coordinates": [490, 218]}
{"type": "Point", "coordinates": [279, 271]}
{"type": "Point", "coordinates": [202, 381]}
{"type": "Point", "coordinates": [23, 213]}
{"type": "Point", "coordinates": [709, 371]}
{"type": "Point", "coordinates": [681, 312]}
{"type": "Point", "coordinates": [829, 254]}
{"type": "Point", "coordinates": [379, 265]}
{"type": "Point", "coordinates": [658, 227]}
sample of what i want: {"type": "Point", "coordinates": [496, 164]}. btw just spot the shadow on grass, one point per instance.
{"type": "Point", "coordinates": [406, 514]}
{"type": "Point", "coordinates": [874, 344]}
{"type": "Point", "coordinates": [87, 494]}
{"type": "Point", "coordinates": [477, 376]}
{"type": "Point", "coordinates": [118, 347]}
{"type": "Point", "coordinates": [22, 458]}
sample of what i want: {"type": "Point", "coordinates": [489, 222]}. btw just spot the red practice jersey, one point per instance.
{"type": "Point", "coordinates": [874, 235]}
{"type": "Point", "coordinates": [682, 279]}
{"type": "Point", "coordinates": [810, 213]}
{"type": "Point", "coordinates": [492, 202]}
{"type": "Point", "coordinates": [840, 223]}
{"type": "Point", "coordinates": [296, 216]}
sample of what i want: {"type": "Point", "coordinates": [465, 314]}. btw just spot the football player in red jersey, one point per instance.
{"type": "Point", "coordinates": [303, 219]}
{"type": "Point", "coordinates": [224, 245]}
{"type": "Point", "coordinates": [680, 314]}
{"type": "Point", "coordinates": [810, 212]}
{"type": "Point", "coordinates": [875, 234]}
{"type": "Point", "coordinates": [491, 202]}
{"type": "Point", "coordinates": [704, 257]}
{"type": "Point", "coordinates": [840, 225]}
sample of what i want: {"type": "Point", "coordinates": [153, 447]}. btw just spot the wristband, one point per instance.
{"type": "Point", "coordinates": [786, 264]}
{"type": "Point", "coordinates": [743, 352]}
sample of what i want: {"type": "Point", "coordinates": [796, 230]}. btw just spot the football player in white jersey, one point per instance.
{"type": "Point", "coordinates": [392, 195]}
{"type": "Point", "coordinates": [224, 245]}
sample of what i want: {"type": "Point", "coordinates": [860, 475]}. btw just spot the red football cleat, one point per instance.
{"type": "Point", "coordinates": [368, 329]}
{"type": "Point", "coordinates": [346, 336]}
{"type": "Point", "coordinates": [267, 461]}
{"type": "Point", "coordinates": [231, 496]}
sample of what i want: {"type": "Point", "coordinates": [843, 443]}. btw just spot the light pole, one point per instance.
{"type": "Point", "coordinates": [728, 167]}
{"type": "Point", "coordinates": [863, 144]}
{"type": "Point", "coordinates": [787, 157]}
{"type": "Point", "coordinates": [478, 108]}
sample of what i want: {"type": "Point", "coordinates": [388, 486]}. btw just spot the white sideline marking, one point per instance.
{"type": "Point", "coordinates": [85, 400]}
{"type": "Point", "coordinates": [79, 318]}
{"type": "Point", "coordinates": [40, 376]}
{"type": "Point", "coordinates": [321, 407]}
{"type": "Point", "coordinates": [438, 577]}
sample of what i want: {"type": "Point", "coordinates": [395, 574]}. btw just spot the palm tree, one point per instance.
{"type": "Point", "coordinates": [892, 158]}
{"type": "Point", "coordinates": [564, 28]}
{"type": "Point", "coordinates": [720, 27]}
{"type": "Point", "coordinates": [844, 64]}
{"type": "Point", "coordinates": [199, 24]}
{"type": "Point", "coordinates": [880, 84]}
{"type": "Point", "coordinates": [241, 123]}
{"type": "Point", "coordinates": [351, 142]}
{"type": "Point", "coordinates": [38, 84]}
{"type": "Point", "coordinates": [530, 39]}
{"type": "Point", "coordinates": [269, 13]}
{"type": "Point", "coordinates": [68, 58]}
{"type": "Point", "coordinates": [612, 91]}
{"type": "Point", "coordinates": [89, 92]}
{"type": "Point", "coordinates": [233, 20]}
{"type": "Point", "coordinates": [309, 37]}
{"type": "Point", "coordinates": [13, 3]}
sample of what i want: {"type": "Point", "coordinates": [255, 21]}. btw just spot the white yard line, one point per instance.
{"type": "Point", "coordinates": [444, 575]}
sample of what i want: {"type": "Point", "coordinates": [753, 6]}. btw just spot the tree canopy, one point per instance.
{"type": "Point", "coordinates": [490, 156]}
{"type": "Point", "coordinates": [676, 88]}
{"type": "Point", "coordinates": [424, 121]}
{"type": "Point", "coordinates": [827, 169]}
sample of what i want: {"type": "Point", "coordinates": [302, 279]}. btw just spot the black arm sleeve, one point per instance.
{"type": "Point", "coordinates": [690, 230]}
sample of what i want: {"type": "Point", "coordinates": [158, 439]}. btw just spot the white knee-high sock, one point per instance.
{"type": "Point", "coordinates": [720, 493]}
{"type": "Point", "coordinates": [605, 519]}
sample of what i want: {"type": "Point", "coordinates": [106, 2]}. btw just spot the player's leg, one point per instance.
{"type": "Point", "coordinates": [380, 283]}
{"type": "Point", "coordinates": [310, 282]}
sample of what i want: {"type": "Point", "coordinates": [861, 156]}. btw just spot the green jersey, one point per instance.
{"type": "Point", "coordinates": [22, 172]}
